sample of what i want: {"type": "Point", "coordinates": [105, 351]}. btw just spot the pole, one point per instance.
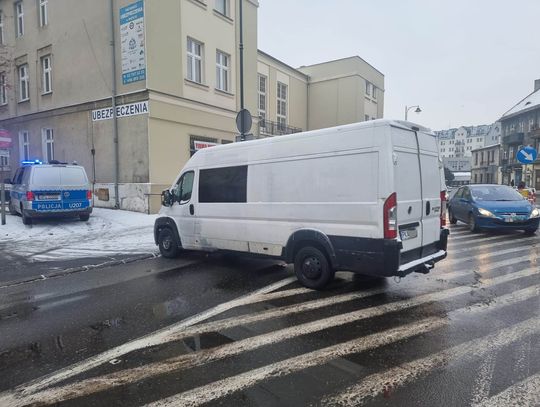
{"type": "Point", "coordinates": [115, 119]}
{"type": "Point", "coordinates": [3, 199]}
{"type": "Point", "coordinates": [405, 113]}
{"type": "Point", "coordinates": [241, 57]}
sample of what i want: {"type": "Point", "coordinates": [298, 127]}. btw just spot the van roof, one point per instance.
{"type": "Point", "coordinates": [406, 125]}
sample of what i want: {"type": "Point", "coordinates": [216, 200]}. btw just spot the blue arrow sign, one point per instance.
{"type": "Point", "coordinates": [527, 155]}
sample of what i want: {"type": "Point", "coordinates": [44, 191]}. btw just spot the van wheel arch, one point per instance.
{"type": "Point", "coordinates": [309, 238]}
{"type": "Point", "coordinates": [166, 222]}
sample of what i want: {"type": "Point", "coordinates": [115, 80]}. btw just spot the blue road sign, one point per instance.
{"type": "Point", "coordinates": [527, 155]}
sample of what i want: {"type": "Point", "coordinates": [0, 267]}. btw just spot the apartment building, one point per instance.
{"type": "Point", "coordinates": [169, 69]}
{"type": "Point", "coordinates": [460, 142]}
{"type": "Point", "coordinates": [521, 127]}
{"type": "Point", "coordinates": [485, 165]}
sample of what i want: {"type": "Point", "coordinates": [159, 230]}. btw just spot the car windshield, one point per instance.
{"type": "Point", "coordinates": [495, 193]}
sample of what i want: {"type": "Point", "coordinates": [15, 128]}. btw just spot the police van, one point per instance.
{"type": "Point", "coordinates": [54, 189]}
{"type": "Point", "coordinates": [366, 197]}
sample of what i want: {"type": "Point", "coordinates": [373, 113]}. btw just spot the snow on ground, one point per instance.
{"type": "Point", "coordinates": [108, 232]}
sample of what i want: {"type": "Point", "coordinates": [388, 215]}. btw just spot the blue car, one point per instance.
{"type": "Point", "coordinates": [493, 207]}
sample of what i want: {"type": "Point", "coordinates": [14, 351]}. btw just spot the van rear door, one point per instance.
{"type": "Point", "coordinates": [74, 189]}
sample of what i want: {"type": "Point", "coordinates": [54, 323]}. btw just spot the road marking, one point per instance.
{"type": "Point", "coordinates": [497, 253]}
{"type": "Point", "coordinates": [461, 240]}
{"type": "Point", "coordinates": [128, 376]}
{"type": "Point", "coordinates": [378, 383]}
{"type": "Point", "coordinates": [490, 245]}
{"type": "Point", "coordinates": [524, 393]}
{"type": "Point", "coordinates": [151, 339]}
{"type": "Point", "coordinates": [482, 382]}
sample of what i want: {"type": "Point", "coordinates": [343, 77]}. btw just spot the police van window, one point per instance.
{"type": "Point", "coordinates": [184, 187]}
{"type": "Point", "coordinates": [46, 176]}
{"type": "Point", "coordinates": [73, 176]}
{"type": "Point", "coordinates": [18, 176]}
{"type": "Point", "coordinates": [223, 184]}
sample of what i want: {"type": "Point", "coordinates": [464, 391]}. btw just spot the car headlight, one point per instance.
{"type": "Point", "coordinates": [535, 213]}
{"type": "Point", "coordinates": [485, 212]}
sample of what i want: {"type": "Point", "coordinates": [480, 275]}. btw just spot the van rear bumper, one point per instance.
{"type": "Point", "coordinates": [384, 258]}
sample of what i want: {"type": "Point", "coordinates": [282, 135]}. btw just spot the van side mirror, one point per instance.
{"type": "Point", "coordinates": [167, 198]}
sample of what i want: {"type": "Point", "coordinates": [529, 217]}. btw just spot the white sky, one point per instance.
{"type": "Point", "coordinates": [465, 62]}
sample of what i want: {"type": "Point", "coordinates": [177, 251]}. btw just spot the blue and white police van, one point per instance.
{"type": "Point", "coordinates": [47, 190]}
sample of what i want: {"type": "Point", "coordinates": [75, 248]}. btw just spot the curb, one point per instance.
{"type": "Point", "coordinates": [81, 269]}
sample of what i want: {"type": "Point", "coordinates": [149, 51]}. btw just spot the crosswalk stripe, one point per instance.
{"type": "Point", "coordinates": [451, 261]}
{"type": "Point", "coordinates": [524, 393]}
{"type": "Point", "coordinates": [482, 382]}
{"type": "Point", "coordinates": [191, 360]}
{"type": "Point", "coordinates": [481, 239]}
{"type": "Point", "coordinates": [224, 387]}
{"type": "Point", "coordinates": [479, 246]}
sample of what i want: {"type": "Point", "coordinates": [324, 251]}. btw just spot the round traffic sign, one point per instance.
{"type": "Point", "coordinates": [527, 155]}
{"type": "Point", "coordinates": [243, 121]}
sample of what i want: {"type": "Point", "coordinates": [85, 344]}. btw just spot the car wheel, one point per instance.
{"type": "Point", "coordinates": [312, 268]}
{"type": "Point", "coordinates": [84, 217]}
{"type": "Point", "coordinates": [473, 227]}
{"type": "Point", "coordinates": [168, 246]}
{"type": "Point", "coordinates": [451, 216]}
{"type": "Point", "coordinates": [26, 220]}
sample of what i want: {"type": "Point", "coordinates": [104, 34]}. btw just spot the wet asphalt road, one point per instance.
{"type": "Point", "coordinates": [244, 333]}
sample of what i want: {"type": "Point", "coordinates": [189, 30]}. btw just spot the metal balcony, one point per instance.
{"type": "Point", "coordinates": [514, 138]}
{"type": "Point", "coordinates": [268, 128]}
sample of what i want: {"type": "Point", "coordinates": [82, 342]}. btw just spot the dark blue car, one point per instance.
{"type": "Point", "coordinates": [493, 207]}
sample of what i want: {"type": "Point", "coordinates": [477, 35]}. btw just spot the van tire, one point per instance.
{"type": "Point", "coordinates": [451, 217]}
{"type": "Point", "coordinates": [168, 246]}
{"type": "Point", "coordinates": [312, 268]}
{"type": "Point", "coordinates": [473, 227]}
{"type": "Point", "coordinates": [84, 217]}
{"type": "Point", "coordinates": [26, 220]}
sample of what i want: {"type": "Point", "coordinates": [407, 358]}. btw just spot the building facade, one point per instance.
{"type": "Point", "coordinates": [169, 70]}
{"type": "Point", "coordinates": [485, 165]}
{"type": "Point", "coordinates": [460, 142]}
{"type": "Point", "coordinates": [521, 127]}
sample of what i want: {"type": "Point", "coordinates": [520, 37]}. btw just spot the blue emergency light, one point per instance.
{"type": "Point", "coordinates": [26, 162]}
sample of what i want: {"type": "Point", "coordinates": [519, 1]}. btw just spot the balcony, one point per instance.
{"type": "Point", "coordinates": [514, 138]}
{"type": "Point", "coordinates": [268, 128]}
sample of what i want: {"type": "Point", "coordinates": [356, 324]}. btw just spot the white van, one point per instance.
{"type": "Point", "coordinates": [365, 197]}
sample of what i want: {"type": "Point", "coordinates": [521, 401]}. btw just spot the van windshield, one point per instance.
{"type": "Point", "coordinates": [59, 176]}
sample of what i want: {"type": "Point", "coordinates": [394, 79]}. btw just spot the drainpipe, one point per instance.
{"type": "Point", "coordinates": [113, 103]}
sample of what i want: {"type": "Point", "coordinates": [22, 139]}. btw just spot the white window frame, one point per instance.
{"type": "Point", "coordinates": [195, 61]}
{"type": "Point", "coordinates": [24, 145]}
{"type": "Point", "coordinates": [46, 74]}
{"type": "Point", "coordinates": [223, 62]}
{"type": "Point", "coordinates": [222, 7]}
{"type": "Point", "coordinates": [282, 103]}
{"type": "Point", "coordinates": [47, 143]}
{"type": "Point", "coordinates": [368, 88]}
{"type": "Point", "coordinates": [43, 13]}
{"type": "Point", "coordinates": [19, 18]}
{"type": "Point", "coordinates": [2, 39]}
{"type": "Point", "coordinates": [374, 91]}
{"type": "Point", "coordinates": [262, 97]}
{"type": "Point", "coordinates": [3, 89]}
{"type": "Point", "coordinates": [24, 85]}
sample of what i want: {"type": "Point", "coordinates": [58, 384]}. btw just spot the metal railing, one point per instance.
{"type": "Point", "coordinates": [269, 128]}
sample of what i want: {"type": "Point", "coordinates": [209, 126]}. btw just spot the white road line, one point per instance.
{"type": "Point", "coordinates": [490, 245]}
{"type": "Point", "coordinates": [375, 384]}
{"type": "Point", "coordinates": [524, 393]}
{"type": "Point", "coordinates": [191, 360]}
{"type": "Point", "coordinates": [482, 382]}
{"type": "Point", "coordinates": [461, 239]}
{"type": "Point", "coordinates": [523, 364]}
{"type": "Point", "coordinates": [497, 253]}
{"type": "Point", "coordinates": [151, 339]}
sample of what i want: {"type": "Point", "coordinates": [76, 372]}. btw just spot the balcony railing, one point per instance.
{"type": "Point", "coordinates": [268, 128]}
{"type": "Point", "coordinates": [514, 138]}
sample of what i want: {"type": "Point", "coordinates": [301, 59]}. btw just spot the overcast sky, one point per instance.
{"type": "Point", "coordinates": [465, 62]}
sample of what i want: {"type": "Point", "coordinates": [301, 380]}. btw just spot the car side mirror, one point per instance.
{"type": "Point", "coordinates": [167, 199]}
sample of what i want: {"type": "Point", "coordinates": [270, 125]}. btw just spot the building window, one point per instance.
{"type": "Point", "coordinates": [46, 70]}
{"type": "Point", "coordinates": [374, 91]}
{"type": "Point", "coordinates": [197, 143]}
{"type": "Point", "coordinates": [24, 145]}
{"type": "Point", "coordinates": [281, 104]}
{"type": "Point", "coordinates": [222, 71]}
{"type": "Point", "coordinates": [368, 88]}
{"type": "Point", "coordinates": [43, 16]}
{"type": "Point", "coordinates": [3, 89]}
{"type": "Point", "coordinates": [1, 28]}
{"type": "Point", "coordinates": [227, 184]}
{"type": "Point", "coordinates": [24, 93]}
{"type": "Point", "coordinates": [511, 153]}
{"type": "Point", "coordinates": [222, 6]}
{"type": "Point", "coordinates": [4, 160]}
{"type": "Point", "coordinates": [262, 99]}
{"type": "Point", "coordinates": [47, 137]}
{"type": "Point", "coordinates": [19, 16]}
{"type": "Point", "coordinates": [194, 60]}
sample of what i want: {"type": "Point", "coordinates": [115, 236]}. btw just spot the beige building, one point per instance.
{"type": "Point", "coordinates": [485, 165]}
{"type": "Point", "coordinates": [176, 80]}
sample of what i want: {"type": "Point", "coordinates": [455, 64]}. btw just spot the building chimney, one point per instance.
{"type": "Point", "coordinates": [536, 84]}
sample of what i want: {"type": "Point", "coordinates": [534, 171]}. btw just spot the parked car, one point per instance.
{"type": "Point", "coordinates": [46, 190]}
{"type": "Point", "coordinates": [493, 207]}
{"type": "Point", "coordinates": [365, 197]}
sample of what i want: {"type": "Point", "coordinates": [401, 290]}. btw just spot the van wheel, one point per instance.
{"type": "Point", "coordinates": [168, 246]}
{"type": "Point", "coordinates": [473, 227]}
{"type": "Point", "coordinates": [451, 216]}
{"type": "Point", "coordinates": [312, 268]}
{"type": "Point", "coordinates": [26, 220]}
{"type": "Point", "coordinates": [84, 217]}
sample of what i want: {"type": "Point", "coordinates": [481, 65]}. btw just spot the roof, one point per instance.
{"type": "Point", "coordinates": [528, 103]}
{"type": "Point", "coordinates": [342, 59]}
{"type": "Point", "coordinates": [282, 63]}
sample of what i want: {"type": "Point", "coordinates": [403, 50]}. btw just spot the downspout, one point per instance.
{"type": "Point", "coordinates": [113, 103]}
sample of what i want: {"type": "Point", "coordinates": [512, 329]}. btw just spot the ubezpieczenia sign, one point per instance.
{"type": "Point", "coordinates": [131, 109]}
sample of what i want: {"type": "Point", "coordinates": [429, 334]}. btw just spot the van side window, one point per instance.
{"type": "Point", "coordinates": [228, 184]}
{"type": "Point", "coordinates": [184, 187]}
{"type": "Point", "coordinates": [17, 176]}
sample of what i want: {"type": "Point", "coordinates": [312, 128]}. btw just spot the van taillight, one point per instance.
{"type": "Point", "coordinates": [29, 196]}
{"type": "Point", "coordinates": [390, 217]}
{"type": "Point", "coordinates": [89, 194]}
{"type": "Point", "coordinates": [443, 209]}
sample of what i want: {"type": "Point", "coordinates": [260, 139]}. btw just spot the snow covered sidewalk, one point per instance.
{"type": "Point", "coordinates": [107, 233]}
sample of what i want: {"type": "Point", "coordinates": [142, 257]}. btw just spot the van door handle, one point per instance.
{"type": "Point", "coordinates": [191, 209]}
{"type": "Point", "coordinates": [428, 208]}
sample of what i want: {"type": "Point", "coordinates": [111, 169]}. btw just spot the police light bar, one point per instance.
{"type": "Point", "coordinates": [26, 162]}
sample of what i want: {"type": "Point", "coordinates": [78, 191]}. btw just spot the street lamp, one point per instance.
{"type": "Point", "coordinates": [418, 110]}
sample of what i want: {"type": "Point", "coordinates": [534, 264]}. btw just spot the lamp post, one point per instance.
{"type": "Point", "coordinates": [418, 110]}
